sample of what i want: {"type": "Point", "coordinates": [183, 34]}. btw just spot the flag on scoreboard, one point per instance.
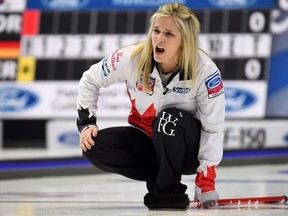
{"type": "Point", "coordinates": [9, 49]}
{"type": "Point", "coordinates": [26, 69]}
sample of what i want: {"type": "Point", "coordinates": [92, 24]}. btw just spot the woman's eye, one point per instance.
{"type": "Point", "coordinates": [169, 34]}
{"type": "Point", "coordinates": [156, 31]}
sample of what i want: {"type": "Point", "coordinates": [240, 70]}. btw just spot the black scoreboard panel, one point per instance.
{"type": "Point", "coordinates": [236, 69]}
{"type": "Point", "coordinates": [137, 22]}
{"type": "Point", "coordinates": [54, 69]}
{"type": "Point", "coordinates": [94, 23]}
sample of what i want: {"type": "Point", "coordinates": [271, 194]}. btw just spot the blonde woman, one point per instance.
{"type": "Point", "coordinates": [177, 112]}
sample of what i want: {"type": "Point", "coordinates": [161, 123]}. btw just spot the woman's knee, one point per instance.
{"type": "Point", "coordinates": [91, 154]}
{"type": "Point", "coordinates": [95, 157]}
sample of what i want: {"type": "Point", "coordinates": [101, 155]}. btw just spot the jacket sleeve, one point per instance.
{"type": "Point", "coordinates": [211, 113]}
{"type": "Point", "coordinates": [111, 69]}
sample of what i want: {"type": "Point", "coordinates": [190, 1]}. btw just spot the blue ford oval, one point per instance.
{"type": "Point", "coordinates": [214, 82]}
{"type": "Point", "coordinates": [69, 138]}
{"type": "Point", "coordinates": [65, 4]}
{"type": "Point", "coordinates": [16, 99]}
{"type": "Point", "coordinates": [238, 99]}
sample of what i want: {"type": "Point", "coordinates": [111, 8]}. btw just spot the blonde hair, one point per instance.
{"type": "Point", "coordinates": [189, 27]}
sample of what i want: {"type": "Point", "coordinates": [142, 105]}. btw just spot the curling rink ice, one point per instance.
{"type": "Point", "coordinates": [114, 195]}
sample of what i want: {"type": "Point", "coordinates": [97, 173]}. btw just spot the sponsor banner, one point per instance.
{"type": "Point", "coordinates": [12, 5]}
{"type": "Point", "coordinates": [57, 99]}
{"type": "Point", "coordinates": [144, 4]}
{"type": "Point", "coordinates": [238, 135]}
{"type": "Point", "coordinates": [8, 69]}
{"type": "Point", "coordinates": [245, 99]}
{"type": "Point", "coordinates": [98, 46]}
{"type": "Point", "coordinates": [251, 134]}
{"type": "Point", "coordinates": [63, 134]}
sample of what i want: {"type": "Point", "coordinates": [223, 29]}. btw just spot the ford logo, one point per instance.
{"type": "Point", "coordinates": [65, 4]}
{"type": "Point", "coordinates": [15, 99]}
{"type": "Point", "coordinates": [238, 99]}
{"type": "Point", "coordinates": [214, 82]}
{"type": "Point", "coordinates": [69, 138]}
{"type": "Point", "coordinates": [232, 4]}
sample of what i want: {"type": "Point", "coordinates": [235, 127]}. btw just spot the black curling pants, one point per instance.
{"type": "Point", "coordinates": [171, 152]}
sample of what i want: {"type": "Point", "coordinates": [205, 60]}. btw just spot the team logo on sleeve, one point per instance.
{"type": "Point", "coordinates": [214, 85]}
{"type": "Point", "coordinates": [115, 58]}
{"type": "Point", "coordinates": [110, 62]}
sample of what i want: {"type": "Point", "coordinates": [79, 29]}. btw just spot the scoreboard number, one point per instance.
{"type": "Point", "coordinates": [257, 22]}
{"type": "Point", "coordinates": [252, 69]}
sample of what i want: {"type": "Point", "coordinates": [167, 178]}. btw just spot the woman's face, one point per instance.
{"type": "Point", "coordinates": [166, 41]}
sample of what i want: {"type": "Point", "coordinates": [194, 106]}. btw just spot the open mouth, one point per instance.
{"type": "Point", "coordinates": [159, 50]}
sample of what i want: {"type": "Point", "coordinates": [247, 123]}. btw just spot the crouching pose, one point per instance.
{"type": "Point", "coordinates": [177, 112]}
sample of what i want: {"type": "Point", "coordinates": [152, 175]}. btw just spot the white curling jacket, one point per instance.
{"type": "Point", "coordinates": [206, 101]}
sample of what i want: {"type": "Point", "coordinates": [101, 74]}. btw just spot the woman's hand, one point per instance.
{"type": "Point", "coordinates": [86, 141]}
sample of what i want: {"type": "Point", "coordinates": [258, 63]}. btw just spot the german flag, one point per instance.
{"type": "Point", "coordinates": [9, 49]}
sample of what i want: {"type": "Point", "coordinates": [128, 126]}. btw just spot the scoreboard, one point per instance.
{"type": "Point", "coordinates": [46, 45]}
{"type": "Point", "coordinates": [67, 42]}
{"type": "Point", "coordinates": [238, 41]}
